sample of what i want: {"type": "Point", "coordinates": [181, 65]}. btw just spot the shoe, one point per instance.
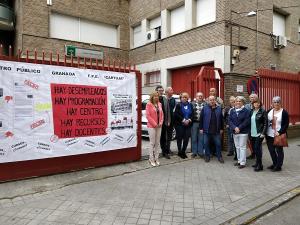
{"type": "Point", "coordinates": [184, 155]}
{"type": "Point", "coordinates": [166, 156]}
{"type": "Point", "coordinates": [241, 166]}
{"type": "Point", "coordinates": [252, 156]}
{"type": "Point", "coordinates": [230, 154]}
{"type": "Point", "coordinates": [157, 163]}
{"type": "Point", "coordinates": [201, 156]}
{"type": "Point", "coordinates": [236, 164]}
{"type": "Point", "coordinates": [193, 156]}
{"type": "Point", "coordinates": [255, 165]}
{"type": "Point", "coordinates": [171, 152]}
{"type": "Point", "coordinates": [207, 159]}
{"type": "Point", "coordinates": [152, 162]}
{"type": "Point", "coordinates": [258, 168]}
{"type": "Point", "coordinates": [180, 155]}
{"type": "Point", "coordinates": [221, 160]}
{"type": "Point", "coordinates": [235, 158]}
{"type": "Point", "coordinates": [270, 167]}
{"type": "Point", "coordinates": [276, 169]}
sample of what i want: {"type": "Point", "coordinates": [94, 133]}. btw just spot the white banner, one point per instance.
{"type": "Point", "coordinates": [51, 111]}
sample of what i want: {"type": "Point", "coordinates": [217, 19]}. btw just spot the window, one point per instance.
{"type": "Point", "coordinates": [177, 20]}
{"type": "Point", "coordinates": [278, 24]}
{"type": "Point", "coordinates": [155, 23]}
{"type": "Point", "coordinates": [64, 27]}
{"type": "Point", "coordinates": [97, 33]}
{"type": "Point", "coordinates": [76, 29]}
{"type": "Point", "coordinates": [137, 36]}
{"type": "Point", "coordinates": [206, 11]}
{"type": "Point", "coordinates": [152, 78]}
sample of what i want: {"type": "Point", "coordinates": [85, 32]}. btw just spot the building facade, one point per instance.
{"type": "Point", "coordinates": [168, 40]}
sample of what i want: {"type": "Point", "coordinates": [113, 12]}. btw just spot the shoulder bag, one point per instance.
{"type": "Point", "coordinates": [280, 140]}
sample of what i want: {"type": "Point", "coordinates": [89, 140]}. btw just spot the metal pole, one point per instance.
{"type": "Point", "coordinates": [256, 52]}
{"type": "Point", "coordinates": [230, 20]}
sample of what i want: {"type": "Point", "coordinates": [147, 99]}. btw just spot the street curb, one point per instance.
{"type": "Point", "coordinates": [263, 209]}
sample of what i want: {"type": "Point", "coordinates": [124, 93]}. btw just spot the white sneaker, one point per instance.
{"type": "Point", "coordinates": [157, 162]}
{"type": "Point", "coordinates": [152, 162]}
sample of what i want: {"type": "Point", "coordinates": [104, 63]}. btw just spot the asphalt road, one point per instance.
{"type": "Point", "coordinates": [288, 214]}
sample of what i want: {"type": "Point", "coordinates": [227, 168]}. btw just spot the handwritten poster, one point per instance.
{"type": "Point", "coordinates": [51, 111]}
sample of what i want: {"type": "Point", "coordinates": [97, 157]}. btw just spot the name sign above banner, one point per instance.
{"type": "Point", "coordinates": [52, 111]}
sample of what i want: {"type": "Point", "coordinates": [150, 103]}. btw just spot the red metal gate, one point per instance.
{"type": "Point", "coordinates": [207, 79]}
{"type": "Point", "coordinates": [183, 78]}
{"type": "Point", "coordinates": [29, 168]}
{"type": "Point", "coordinates": [286, 85]}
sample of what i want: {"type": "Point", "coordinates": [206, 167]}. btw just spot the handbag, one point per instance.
{"type": "Point", "coordinates": [280, 140]}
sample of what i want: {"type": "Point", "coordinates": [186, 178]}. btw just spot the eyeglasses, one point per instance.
{"type": "Point", "coordinates": [276, 102]}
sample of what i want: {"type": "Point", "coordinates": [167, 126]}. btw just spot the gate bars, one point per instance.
{"type": "Point", "coordinates": [40, 167]}
{"type": "Point", "coordinates": [207, 79]}
{"type": "Point", "coordinates": [286, 85]}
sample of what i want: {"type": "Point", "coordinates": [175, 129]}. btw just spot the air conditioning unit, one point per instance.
{"type": "Point", "coordinates": [280, 42]}
{"type": "Point", "coordinates": [152, 35]}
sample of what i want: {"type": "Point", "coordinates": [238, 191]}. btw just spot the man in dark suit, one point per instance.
{"type": "Point", "coordinates": [169, 120]}
{"type": "Point", "coordinates": [163, 137]}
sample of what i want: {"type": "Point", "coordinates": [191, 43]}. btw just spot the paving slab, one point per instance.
{"type": "Point", "coordinates": [177, 192]}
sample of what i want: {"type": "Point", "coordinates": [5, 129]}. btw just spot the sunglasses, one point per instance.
{"type": "Point", "coordinates": [276, 102]}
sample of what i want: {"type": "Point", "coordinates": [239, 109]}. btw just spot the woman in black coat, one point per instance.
{"type": "Point", "coordinates": [278, 123]}
{"type": "Point", "coordinates": [259, 122]}
{"type": "Point", "coordinates": [183, 114]}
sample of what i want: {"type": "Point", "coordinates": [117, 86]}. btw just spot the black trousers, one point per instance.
{"type": "Point", "coordinates": [183, 134]}
{"type": "Point", "coordinates": [163, 140]}
{"type": "Point", "coordinates": [166, 138]}
{"type": "Point", "coordinates": [276, 152]}
{"type": "Point", "coordinates": [256, 143]}
{"type": "Point", "coordinates": [169, 137]}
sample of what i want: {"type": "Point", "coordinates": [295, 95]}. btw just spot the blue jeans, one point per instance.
{"type": "Point", "coordinates": [216, 138]}
{"type": "Point", "coordinates": [197, 140]}
{"type": "Point", "coordinates": [230, 141]}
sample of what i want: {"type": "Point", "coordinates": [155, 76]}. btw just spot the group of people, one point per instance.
{"type": "Point", "coordinates": [204, 119]}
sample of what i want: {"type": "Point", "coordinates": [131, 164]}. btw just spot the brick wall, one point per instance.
{"type": "Point", "coordinates": [32, 31]}
{"type": "Point", "coordinates": [231, 82]}
{"type": "Point", "coordinates": [286, 59]}
{"type": "Point", "coordinates": [33, 23]}
{"type": "Point", "coordinates": [193, 40]}
{"type": "Point", "coordinates": [141, 9]}
{"type": "Point", "coordinates": [218, 34]}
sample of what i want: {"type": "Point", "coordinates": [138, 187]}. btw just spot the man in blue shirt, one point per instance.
{"type": "Point", "coordinates": [211, 125]}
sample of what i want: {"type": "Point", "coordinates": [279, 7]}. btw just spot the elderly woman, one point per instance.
{"type": "Point", "coordinates": [155, 117]}
{"type": "Point", "coordinates": [278, 123]}
{"type": "Point", "coordinates": [239, 123]}
{"type": "Point", "coordinates": [258, 130]}
{"type": "Point", "coordinates": [183, 114]}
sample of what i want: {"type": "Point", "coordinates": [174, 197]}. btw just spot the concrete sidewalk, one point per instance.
{"type": "Point", "coordinates": [178, 192]}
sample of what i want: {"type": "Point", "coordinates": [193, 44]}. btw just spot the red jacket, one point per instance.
{"type": "Point", "coordinates": [151, 115]}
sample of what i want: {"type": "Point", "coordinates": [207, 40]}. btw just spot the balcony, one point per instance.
{"type": "Point", "coordinates": [6, 17]}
